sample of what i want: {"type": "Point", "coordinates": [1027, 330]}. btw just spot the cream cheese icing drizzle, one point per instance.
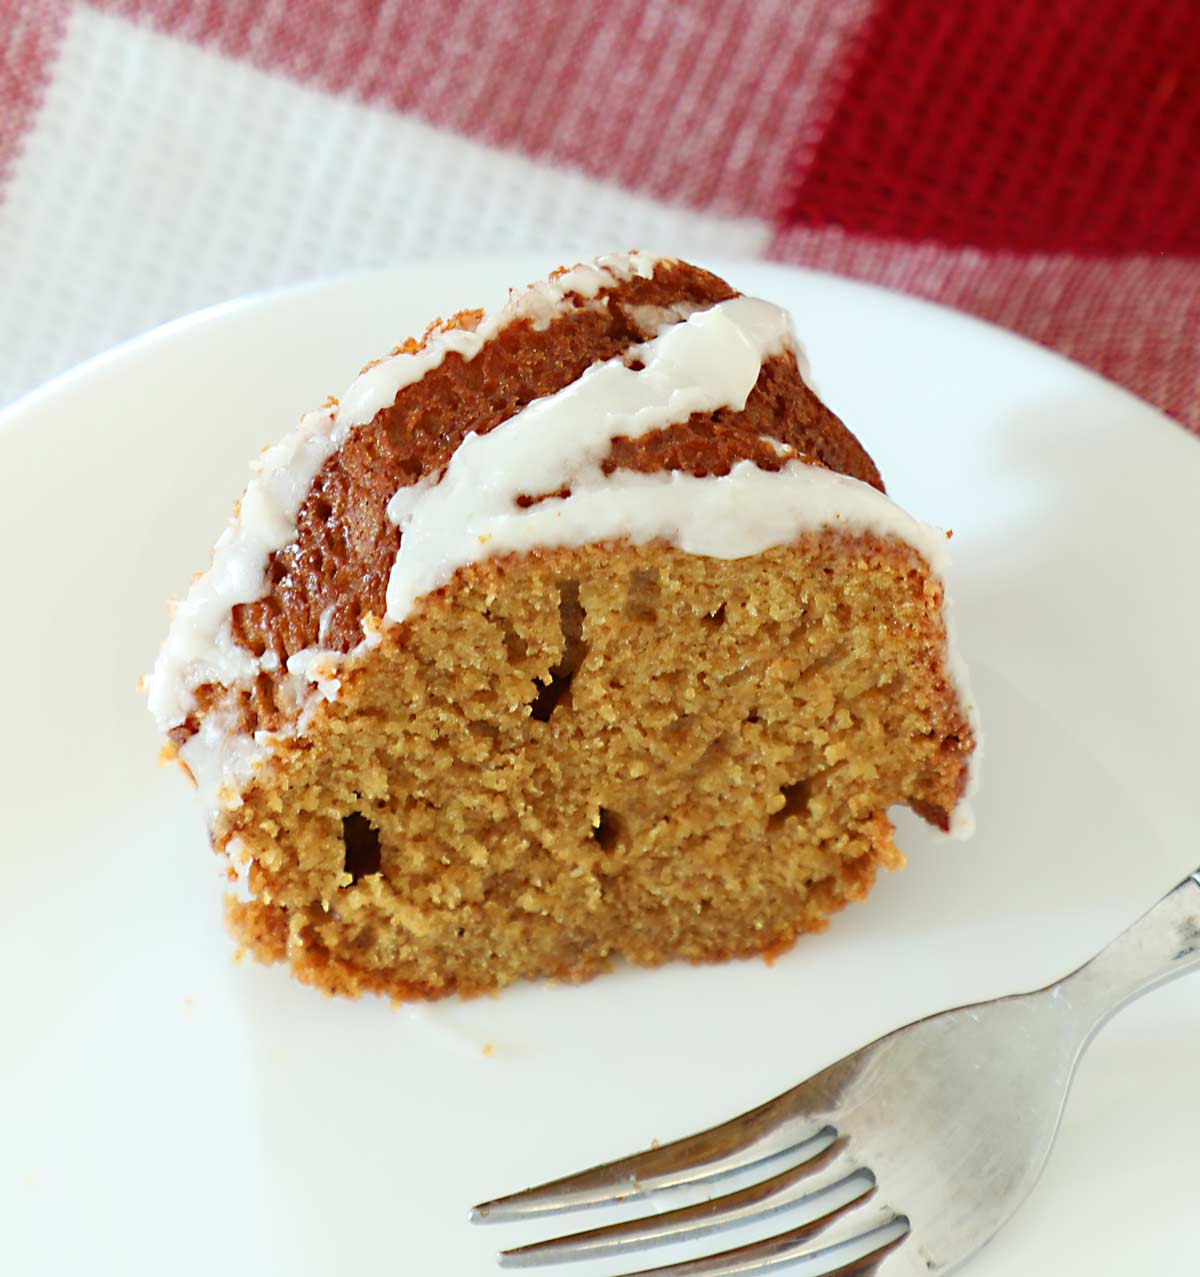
{"type": "Point", "coordinates": [708, 360]}
{"type": "Point", "coordinates": [200, 647]}
{"type": "Point", "coordinates": [711, 360]}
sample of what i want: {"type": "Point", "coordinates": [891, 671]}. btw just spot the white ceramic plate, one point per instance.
{"type": "Point", "coordinates": [165, 1109]}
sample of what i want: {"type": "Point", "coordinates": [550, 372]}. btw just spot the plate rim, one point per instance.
{"type": "Point", "coordinates": [135, 346]}
{"type": "Point", "coordinates": [209, 318]}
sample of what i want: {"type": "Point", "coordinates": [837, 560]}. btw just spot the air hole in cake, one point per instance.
{"type": "Point", "coordinates": [322, 508]}
{"type": "Point", "coordinates": [545, 702]}
{"type": "Point", "coordinates": [648, 713]}
{"type": "Point", "coordinates": [570, 619]}
{"type": "Point", "coordinates": [361, 841]}
{"type": "Point", "coordinates": [795, 802]}
{"type": "Point", "coordinates": [641, 600]}
{"type": "Point", "coordinates": [515, 647]}
{"type": "Point", "coordinates": [610, 831]}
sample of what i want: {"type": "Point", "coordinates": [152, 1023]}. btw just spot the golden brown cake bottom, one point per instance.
{"type": "Point", "coordinates": [612, 752]}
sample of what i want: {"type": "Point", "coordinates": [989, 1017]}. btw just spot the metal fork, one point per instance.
{"type": "Point", "coordinates": [903, 1158]}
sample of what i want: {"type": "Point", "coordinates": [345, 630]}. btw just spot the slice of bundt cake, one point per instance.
{"type": "Point", "coordinates": [577, 631]}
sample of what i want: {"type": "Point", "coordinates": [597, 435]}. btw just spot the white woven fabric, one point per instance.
{"type": "Point", "coordinates": [160, 177]}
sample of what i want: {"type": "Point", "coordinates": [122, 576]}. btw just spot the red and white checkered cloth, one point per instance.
{"type": "Point", "coordinates": [1036, 162]}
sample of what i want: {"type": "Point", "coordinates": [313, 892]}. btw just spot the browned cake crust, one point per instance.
{"type": "Point", "coordinates": [345, 545]}
{"type": "Point", "coordinates": [614, 752]}
{"type": "Point", "coordinates": [577, 755]}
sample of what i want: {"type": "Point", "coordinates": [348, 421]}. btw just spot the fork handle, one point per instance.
{"type": "Point", "coordinates": [1162, 944]}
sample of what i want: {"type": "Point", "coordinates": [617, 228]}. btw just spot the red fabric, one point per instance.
{"type": "Point", "coordinates": [28, 39]}
{"type": "Point", "coordinates": [1134, 319]}
{"type": "Point", "coordinates": [1033, 125]}
{"type": "Point", "coordinates": [1035, 162]}
{"type": "Point", "coordinates": [699, 103]}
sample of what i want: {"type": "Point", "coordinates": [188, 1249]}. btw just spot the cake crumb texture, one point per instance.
{"type": "Point", "coordinates": [577, 756]}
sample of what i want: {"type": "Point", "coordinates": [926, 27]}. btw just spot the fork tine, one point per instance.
{"type": "Point", "coordinates": [878, 1228]}
{"type": "Point", "coordinates": [814, 1182]}
{"type": "Point", "coordinates": [767, 1131]}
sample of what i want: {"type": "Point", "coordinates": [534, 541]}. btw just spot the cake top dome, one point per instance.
{"type": "Point", "coordinates": [636, 398]}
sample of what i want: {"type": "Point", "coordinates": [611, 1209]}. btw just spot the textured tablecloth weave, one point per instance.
{"type": "Point", "coordinates": [1035, 162]}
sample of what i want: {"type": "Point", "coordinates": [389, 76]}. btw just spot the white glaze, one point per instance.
{"type": "Point", "coordinates": [222, 759]}
{"type": "Point", "coordinates": [654, 319]}
{"type": "Point", "coordinates": [317, 666]}
{"type": "Point", "coordinates": [732, 516]}
{"type": "Point", "coordinates": [711, 360]}
{"type": "Point", "coordinates": [200, 647]}
{"type": "Point", "coordinates": [708, 361]}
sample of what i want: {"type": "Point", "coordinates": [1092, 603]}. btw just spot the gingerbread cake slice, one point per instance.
{"type": "Point", "coordinates": [575, 632]}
